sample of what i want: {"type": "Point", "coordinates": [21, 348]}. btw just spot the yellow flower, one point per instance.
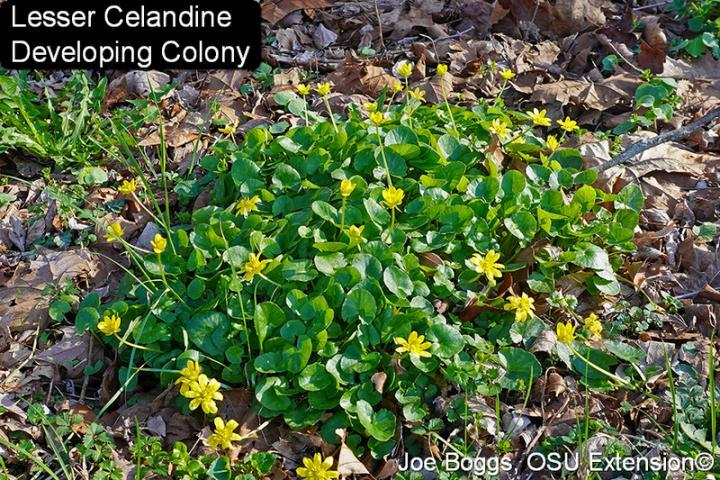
{"type": "Point", "coordinates": [552, 142]}
{"type": "Point", "coordinates": [414, 345]}
{"type": "Point", "coordinates": [159, 243]}
{"type": "Point", "coordinates": [128, 187]}
{"type": "Point", "coordinates": [442, 70]}
{"type": "Point", "coordinates": [355, 232]}
{"type": "Point", "coordinates": [593, 325]}
{"type": "Point", "coordinates": [507, 74]}
{"type": "Point", "coordinates": [392, 197]}
{"type": "Point", "coordinates": [346, 188]}
{"type": "Point", "coordinates": [188, 376]}
{"type": "Point", "coordinates": [405, 70]}
{"type": "Point", "coordinates": [488, 265]}
{"type": "Point", "coordinates": [224, 434]}
{"type": "Point", "coordinates": [317, 469]}
{"type": "Point", "coordinates": [565, 332]}
{"type": "Point", "coordinates": [370, 107]}
{"type": "Point", "coordinates": [519, 141]}
{"type": "Point", "coordinates": [538, 117]}
{"type": "Point", "coordinates": [500, 128]}
{"type": "Point", "coordinates": [417, 94]}
{"type": "Point", "coordinates": [204, 393]}
{"type": "Point", "coordinates": [323, 88]}
{"type": "Point", "coordinates": [568, 125]}
{"type": "Point", "coordinates": [377, 118]}
{"type": "Point", "coordinates": [303, 89]}
{"type": "Point", "coordinates": [115, 232]}
{"type": "Point", "coordinates": [246, 205]}
{"type": "Point", "coordinates": [229, 129]}
{"type": "Point", "coordinates": [254, 266]}
{"type": "Point", "coordinates": [524, 307]}
{"type": "Point", "coordinates": [397, 86]}
{"type": "Point", "coordinates": [109, 325]}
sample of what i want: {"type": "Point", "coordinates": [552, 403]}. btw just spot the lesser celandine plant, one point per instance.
{"type": "Point", "coordinates": [327, 251]}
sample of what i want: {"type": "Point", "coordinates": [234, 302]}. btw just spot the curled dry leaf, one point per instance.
{"type": "Point", "coordinates": [348, 464]}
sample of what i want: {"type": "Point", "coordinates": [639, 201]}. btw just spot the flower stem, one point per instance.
{"type": "Point", "coordinates": [134, 345]}
{"type": "Point", "coordinates": [269, 281]}
{"type": "Point", "coordinates": [342, 215]}
{"type": "Point", "coordinates": [307, 122]}
{"type": "Point", "coordinates": [152, 215]}
{"type": "Point", "coordinates": [332, 118]}
{"type": "Point", "coordinates": [502, 90]}
{"type": "Point", "coordinates": [522, 133]}
{"type": "Point", "coordinates": [392, 224]}
{"type": "Point", "coordinates": [382, 153]}
{"type": "Point", "coordinates": [599, 369]}
{"type": "Point", "coordinates": [165, 282]}
{"type": "Point", "coordinates": [447, 104]}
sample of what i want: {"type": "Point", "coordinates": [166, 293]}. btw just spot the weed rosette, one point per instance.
{"type": "Point", "coordinates": [352, 272]}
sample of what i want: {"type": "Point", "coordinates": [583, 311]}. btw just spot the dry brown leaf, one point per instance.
{"type": "Point", "coordinates": [651, 57]}
{"type": "Point", "coordinates": [70, 352]}
{"type": "Point", "coordinates": [275, 11]}
{"type": "Point", "coordinates": [348, 464]}
{"type": "Point", "coordinates": [22, 302]}
{"type": "Point", "coordinates": [378, 379]}
{"type": "Point", "coordinates": [355, 76]}
{"type": "Point", "coordinates": [609, 93]}
{"type": "Point", "coordinates": [703, 68]}
{"type": "Point", "coordinates": [409, 22]}
{"type": "Point", "coordinates": [174, 137]}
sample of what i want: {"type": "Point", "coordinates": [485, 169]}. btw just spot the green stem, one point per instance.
{"type": "Point", "coordinates": [330, 113]}
{"type": "Point", "coordinates": [163, 174]}
{"type": "Point", "coordinates": [711, 381]}
{"type": "Point", "coordinates": [342, 215]}
{"type": "Point", "coordinates": [137, 260]}
{"type": "Point", "coordinates": [522, 133]}
{"type": "Point", "coordinates": [36, 460]}
{"type": "Point", "coordinates": [447, 104]}
{"type": "Point", "coordinates": [272, 282]}
{"type": "Point", "coordinates": [307, 122]}
{"type": "Point", "coordinates": [134, 345]}
{"type": "Point", "coordinates": [382, 154]}
{"type": "Point", "coordinates": [600, 369]}
{"type": "Point", "coordinates": [142, 205]}
{"type": "Point", "coordinates": [392, 224]}
{"type": "Point", "coordinates": [671, 385]}
{"type": "Point", "coordinates": [165, 282]}
{"type": "Point", "coordinates": [499, 95]}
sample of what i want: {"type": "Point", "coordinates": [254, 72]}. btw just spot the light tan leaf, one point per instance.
{"type": "Point", "coordinates": [348, 464]}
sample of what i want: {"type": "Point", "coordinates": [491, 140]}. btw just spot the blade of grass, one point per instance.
{"type": "Point", "coordinates": [671, 384]}
{"type": "Point", "coordinates": [711, 381]}
{"type": "Point", "coordinates": [37, 461]}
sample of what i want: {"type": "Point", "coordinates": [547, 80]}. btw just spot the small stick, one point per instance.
{"type": "Point", "coordinates": [380, 26]}
{"type": "Point", "coordinates": [652, 5]}
{"type": "Point", "coordinates": [639, 147]}
{"type": "Point", "coordinates": [606, 41]}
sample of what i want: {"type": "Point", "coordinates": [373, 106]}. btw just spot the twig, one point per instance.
{"type": "Point", "coordinates": [606, 41]}
{"type": "Point", "coordinates": [652, 5]}
{"type": "Point", "coordinates": [441, 39]}
{"type": "Point", "coordinates": [380, 26]}
{"type": "Point", "coordinates": [639, 147]}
